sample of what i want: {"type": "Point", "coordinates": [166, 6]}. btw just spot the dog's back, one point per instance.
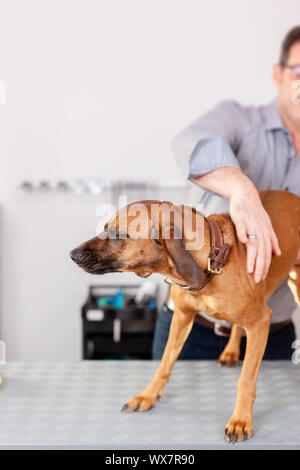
{"type": "Point", "coordinates": [284, 211]}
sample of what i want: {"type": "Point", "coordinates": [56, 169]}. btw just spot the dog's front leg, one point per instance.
{"type": "Point", "coordinates": [239, 426]}
{"type": "Point", "coordinates": [180, 328]}
{"type": "Point", "coordinates": [231, 354]}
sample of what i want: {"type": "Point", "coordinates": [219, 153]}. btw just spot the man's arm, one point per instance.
{"type": "Point", "coordinates": [205, 153]}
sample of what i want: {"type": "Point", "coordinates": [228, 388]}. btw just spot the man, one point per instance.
{"type": "Point", "coordinates": [233, 152]}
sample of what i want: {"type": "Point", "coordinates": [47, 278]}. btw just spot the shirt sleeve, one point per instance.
{"type": "Point", "coordinates": [211, 141]}
{"type": "Point", "coordinates": [210, 154]}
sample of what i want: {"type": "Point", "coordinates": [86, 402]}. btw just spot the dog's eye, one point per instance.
{"type": "Point", "coordinates": [113, 235]}
{"type": "Point", "coordinates": [121, 236]}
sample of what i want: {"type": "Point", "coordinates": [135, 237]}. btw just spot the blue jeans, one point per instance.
{"type": "Point", "coordinates": [203, 343]}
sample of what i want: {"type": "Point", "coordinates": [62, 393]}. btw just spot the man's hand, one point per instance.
{"type": "Point", "coordinates": [250, 217]}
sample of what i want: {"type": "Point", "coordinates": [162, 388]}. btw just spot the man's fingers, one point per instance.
{"type": "Point", "coordinates": [275, 244]}
{"type": "Point", "coordinates": [260, 262]}
{"type": "Point", "coordinates": [251, 255]}
{"type": "Point", "coordinates": [268, 255]}
{"type": "Point", "coordinates": [259, 253]}
{"type": "Point", "coordinates": [241, 232]}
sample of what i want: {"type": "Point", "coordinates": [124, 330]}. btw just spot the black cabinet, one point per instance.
{"type": "Point", "coordinates": [115, 326]}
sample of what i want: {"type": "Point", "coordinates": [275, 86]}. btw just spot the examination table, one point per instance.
{"type": "Point", "coordinates": [77, 405]}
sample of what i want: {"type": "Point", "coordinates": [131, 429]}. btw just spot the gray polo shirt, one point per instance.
{"type": "Point", "coordinates": [254, 139]}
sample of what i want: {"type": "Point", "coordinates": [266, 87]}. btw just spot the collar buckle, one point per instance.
{"type": "Point", "coordinates": [213, 270]}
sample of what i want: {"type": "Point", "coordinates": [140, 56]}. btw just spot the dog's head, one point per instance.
{"type": "Point", "coordinates": [146, 237]}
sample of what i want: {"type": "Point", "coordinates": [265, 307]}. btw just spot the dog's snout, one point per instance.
{"type": "Point", "coordinates": [78, 254]}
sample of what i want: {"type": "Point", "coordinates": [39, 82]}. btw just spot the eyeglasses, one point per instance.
{"type": "Point", "coordinates": [295, 71]}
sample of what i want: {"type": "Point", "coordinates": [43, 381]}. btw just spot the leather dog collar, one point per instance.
{"type": "Point", "coordinates": [218, 256]}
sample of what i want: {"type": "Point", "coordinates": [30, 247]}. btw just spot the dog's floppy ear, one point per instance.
{"type": "Point", "coordinates": [185, 265]}
{"type": "Point", "coordinates": [187, 268]}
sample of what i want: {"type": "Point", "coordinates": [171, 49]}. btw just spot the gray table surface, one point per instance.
{"type": "Point", "coordinates": [77, 405]}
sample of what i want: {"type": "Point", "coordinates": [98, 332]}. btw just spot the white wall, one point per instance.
{"type": "Point", "coordinates": [98, 89]}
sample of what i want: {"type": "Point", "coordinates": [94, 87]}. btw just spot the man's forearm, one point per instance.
{"type": "Point", "coordinates": [227, 181]}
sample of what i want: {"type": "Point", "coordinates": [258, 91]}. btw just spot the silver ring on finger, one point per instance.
{"type": "Point", "coordinates": [252, 236]}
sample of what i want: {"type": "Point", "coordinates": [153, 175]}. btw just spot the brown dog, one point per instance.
{"type": "Point", "coordinates": [231, 295]}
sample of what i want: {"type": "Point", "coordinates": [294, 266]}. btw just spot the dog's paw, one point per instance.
{"type": "Point", "coordinates": [229, 359]}
{"type": "Point", "coordinates": [238, 430]}
{"type": "Point", "coordinates": [140, 403]}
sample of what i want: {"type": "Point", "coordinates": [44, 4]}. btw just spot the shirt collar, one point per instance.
{"type": "Point", "coordinates": [272, 116]}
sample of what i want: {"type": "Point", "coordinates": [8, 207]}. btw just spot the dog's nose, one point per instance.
{"type": "Point", "coordinates": [79, 253]}
{"type": "Point", "coordinates": [75, 255]}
